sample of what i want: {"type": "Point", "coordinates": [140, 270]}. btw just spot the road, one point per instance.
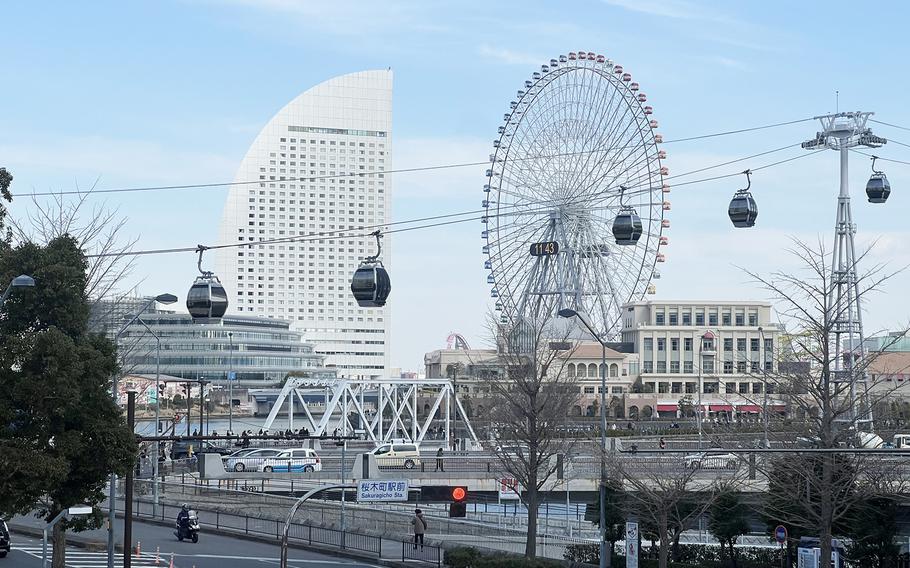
{"type": "Point", "coordinates": [212, 551]}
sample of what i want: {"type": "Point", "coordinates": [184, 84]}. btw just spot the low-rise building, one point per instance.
{"type": "Point", "coordinates": [712, 353]}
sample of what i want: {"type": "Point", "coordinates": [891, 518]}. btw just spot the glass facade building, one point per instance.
{"type": "Point", "coordinates": [260, 351]}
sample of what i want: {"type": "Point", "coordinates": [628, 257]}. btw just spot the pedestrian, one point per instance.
{"type": "Point", "coordinates": [662, 443]}
{"type": "Point", "coordinates": [439, 463]}
{"type": "Point", "coordinates": [195, 432]}
{"type": "Point", "coordinates": [420, 526]}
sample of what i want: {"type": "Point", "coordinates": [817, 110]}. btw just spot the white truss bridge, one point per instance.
{"type": "Point", "coordinates": [386, 409]}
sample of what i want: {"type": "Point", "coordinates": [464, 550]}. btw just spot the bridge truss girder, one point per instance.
{"type": "Point", "coordinates": [396, 408]}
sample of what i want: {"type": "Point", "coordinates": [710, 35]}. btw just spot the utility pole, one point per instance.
{"type": "Point", "coordinates": [231, 382]}
{"type": "Point", "coordinates": [128, 490]}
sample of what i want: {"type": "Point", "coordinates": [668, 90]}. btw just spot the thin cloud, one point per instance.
{"type": "Point", "coordinates": [663, 8]}
{"type": "Point", "coordinates": [508, 56]}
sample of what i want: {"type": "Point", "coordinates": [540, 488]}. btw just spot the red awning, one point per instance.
{"type": "Point", "coordinates": [752, 408]}
{"type": "Point", "coordinates": [666, 408]}
{"type": "Point", "coordinates": [721, 408]}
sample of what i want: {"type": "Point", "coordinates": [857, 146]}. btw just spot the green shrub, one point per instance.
{"type": "Point", "coordinates": [471, 558]}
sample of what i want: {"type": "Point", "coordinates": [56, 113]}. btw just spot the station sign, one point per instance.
{"type": "Point", "coordinates": [382, 490]}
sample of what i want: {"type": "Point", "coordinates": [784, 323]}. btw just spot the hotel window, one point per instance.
{"type": "Point", "coordinates": [740, 319]}
{"type": "Point", "coordinates": [687, 367]}
{"type": "Point", "coordinates": [730, 388]}
{"type": "Point", "coordinates": [740, 344]}
{"type": "Point", "coordinates": [728, 344]}
{"type": "Point", "coordinates": [699, 319]}
{"type": "Point", "coordinates": [687, 318]}
{"type": "Point", "coordinates": [743, 388]}
{"type": "Point", "coordinates": [674, 344]}
{"type": "Point", "coordinates": [753, 344]}
{"type": "Point", "coordinates": [661, 366]}
{"type": "Point", "coordinates": [659, 318]}
{"type": "Point", "coordinates": [726, 318]}
{"type": "Point", "coordinates": [687, 343]}
{"type": "Point", "coordinates": [740, 366]}
{"type": "Point", "coordinates": [753, 320]}
{"type": "Point", "coordinates": [712, 319]}
{"type": "Point", "coordinates": [647, 367]}
{"type": "Point", "coordinates": [661, 344]}
{"type": "Point", "coordinates": [674, 318]}
{"type": "Point", "coordinates": [674, 366]}
{"type": "Point", "coordinates": [648, 344]}
{"type": "Point", "coordinates": [676, 388]}
{"type": "Point", "coordinates": [728, 367]}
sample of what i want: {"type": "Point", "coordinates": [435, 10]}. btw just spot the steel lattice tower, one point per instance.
{"type": "Point", "coordinates": [843, 131]}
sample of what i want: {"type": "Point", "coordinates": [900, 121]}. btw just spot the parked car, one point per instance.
{"type": "Point", "coordinates": [180, 449]}
{"type": "Point", "coordinates": [302, 460]}
{"type": "Point", "coordinates": [4, 539]}
{"type": "Point", "coordinates": [397, 455]}
{"type": "Point", "coordinates": [251, 460]}
{"type": "Point", "coordinates": [712, 460]}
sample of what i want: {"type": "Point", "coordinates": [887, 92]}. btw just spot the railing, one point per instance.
{"type": "Point", "coordinates": [299, 532]}
{"type": "Point", "coordinates": [410, 550]}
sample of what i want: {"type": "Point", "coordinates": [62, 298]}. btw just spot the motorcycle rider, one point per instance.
{"type": "Point", "coordinates": [183, 518]}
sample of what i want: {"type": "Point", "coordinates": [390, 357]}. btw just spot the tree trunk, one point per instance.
{"type": "Point", "coordinates": [664, 535]}
{"type": "Point", "coordinates": [531, 541]}
{"type": "Point", "coordinates": [826, 514]}
{"type": "Point", "coordinates": [609, 560]}
{"type": "Point", "coordinates": [722, 552]}
{"type": "Point", "coordinates": [733, 553]}
{"type": "Point", "coordinates": [675, 550]}
{"type": "Point", "coordinates": [59, 555]}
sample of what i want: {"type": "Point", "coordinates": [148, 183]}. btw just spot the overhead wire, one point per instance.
{"type": "Point", "coordinates": [364, 231]}
{"type": "Point", "coordinates": [889, 124]}
{"type": "Point", "coordinates": [304, 179]}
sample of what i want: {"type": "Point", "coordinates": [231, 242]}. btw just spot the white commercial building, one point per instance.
{"type": "Point", "coordinates": [311, 186]}
{"type": "Point", "coordinates": [715, 353]}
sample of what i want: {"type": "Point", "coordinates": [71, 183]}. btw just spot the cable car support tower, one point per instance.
{"type": "Point", "coordinates": [841, 132]}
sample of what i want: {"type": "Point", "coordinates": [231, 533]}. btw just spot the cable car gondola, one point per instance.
{"type": "Point", "coordinates": [207, 300]}
{"type": "Point", "coordinates": [371, 284]}
{"type": "Point", "coordinates": [877, 188]}
{"type": "Point", "coordinates": [627, 226]}
{"type": "Point", "coordinates": [743, 210]}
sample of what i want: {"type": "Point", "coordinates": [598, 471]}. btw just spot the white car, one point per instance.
{"type": "Point", "coordinates": [712, 460]}
{"type": "Point", "coordinates": [303, 460]}
{"type": "Point", "coordinates": [249, 461]}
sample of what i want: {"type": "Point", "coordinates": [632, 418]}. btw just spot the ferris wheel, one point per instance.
{"type": "Point", "coordinates": [575, 195]}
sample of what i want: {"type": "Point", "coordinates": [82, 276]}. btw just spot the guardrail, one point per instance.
{"type": "Point", "coordinates": [299, 532]}
{"type": "Point", "coordinates": [425, 553]}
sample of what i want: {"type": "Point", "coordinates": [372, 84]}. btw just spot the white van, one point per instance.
{"type": "Point", "coordinates": [395, 455]}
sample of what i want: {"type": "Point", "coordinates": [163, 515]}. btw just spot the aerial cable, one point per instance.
{"type": "Point", "coordinates": [307, 179]}
{"type": "Point", "coordinates": [347, 234]}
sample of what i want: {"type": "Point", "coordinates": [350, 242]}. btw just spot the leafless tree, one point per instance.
{"type": "Point", "coordinates": [667, 495]}
{"type": "Point", "coordinates": [822, 488]}
{"type": "Point", "coordinates": [98, 228]}
{"type": "Point", "coordinates": [530, 402]}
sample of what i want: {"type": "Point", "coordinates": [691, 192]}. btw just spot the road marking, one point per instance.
{"type": "Point", "coordinates": [83, 559]}
{"type": "Point", "coordinates": [77, 558]}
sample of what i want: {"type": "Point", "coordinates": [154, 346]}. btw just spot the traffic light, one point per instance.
{"type": "Point", "coordinates": [459, 506]}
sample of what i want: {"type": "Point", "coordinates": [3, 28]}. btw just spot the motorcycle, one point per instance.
{"type": "Point", "coordinates": [191, 530]}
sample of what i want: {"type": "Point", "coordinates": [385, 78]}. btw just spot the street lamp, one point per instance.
{"type": "Point", "coordinates": [112, 493]}
{"type": "Point", "coordinates": [570, 313]}
{"type": "Point", "coordinates": [157, 413]}
{"type": "Point", "coordinates": [21, 281]}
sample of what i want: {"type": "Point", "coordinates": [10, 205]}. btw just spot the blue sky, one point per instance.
{"type": "Point", "coordinates": [173, 92]}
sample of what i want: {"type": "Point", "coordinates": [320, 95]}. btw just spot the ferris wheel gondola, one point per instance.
{"type": "Point", "coordinates": [371, 284]}
{"type": "Point", "coordinates": [207, 299]}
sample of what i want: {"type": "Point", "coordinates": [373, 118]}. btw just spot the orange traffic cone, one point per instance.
{"type": "Point", "coordinates": [138, 548]}
{"type": "Point", "coordinates": [157, 555]}
{"type": "Point", "coordinates": [172, 561]}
